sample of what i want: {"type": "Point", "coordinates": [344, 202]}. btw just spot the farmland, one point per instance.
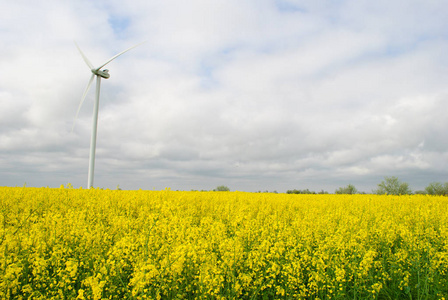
{"type": "Point", "coordinates": [93, 244]}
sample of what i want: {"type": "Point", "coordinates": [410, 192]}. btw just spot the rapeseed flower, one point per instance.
{"type": "Point", "coordinates": [95, 244]}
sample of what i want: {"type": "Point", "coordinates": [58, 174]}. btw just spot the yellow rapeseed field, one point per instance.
{"type": "Point", "coordinates": [105, 244]}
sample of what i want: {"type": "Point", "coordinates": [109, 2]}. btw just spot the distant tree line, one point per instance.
{"type": "Point", "coordinates": [307, 191]}
{"type": "Point", "coordinates": [389, 186]}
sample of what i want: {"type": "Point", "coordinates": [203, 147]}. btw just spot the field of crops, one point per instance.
{"type": "Point", "coordinates": [93, 244]}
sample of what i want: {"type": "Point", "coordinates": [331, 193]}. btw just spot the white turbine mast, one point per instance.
{"type": "Point", "coordinates": [99, 74]}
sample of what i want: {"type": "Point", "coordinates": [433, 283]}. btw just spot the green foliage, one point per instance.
{"type": "Point", "coordinates": [420, 192]}
{"type": "Point", "coordinates": [393, 186]}
{"type": "Point", "coordinates": [437, 188]}
{"type": "Point", "coordinates": [294, 191]}
{"type": "Point", "coordinates": [221, 188]}
{"type": "Point", "coordinates": [349, 189]}
{"type": "Point", "coordinates": [306, 191]}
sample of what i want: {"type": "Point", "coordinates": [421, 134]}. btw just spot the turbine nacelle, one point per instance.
{"type": "Point", "coordinates": [104, 73]}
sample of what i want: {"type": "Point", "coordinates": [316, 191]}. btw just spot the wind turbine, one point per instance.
{"type": "Point", "coordinates": [99, 74]}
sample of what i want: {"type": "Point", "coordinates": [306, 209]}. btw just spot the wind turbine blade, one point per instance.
{"type": "Point", "coordinates": [85, 57]}
{"type": "Point", "coordinates": [114, 57]}
{"type": "Point", "coordinates": [82, 99]}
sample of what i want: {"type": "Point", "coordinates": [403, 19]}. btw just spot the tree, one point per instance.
{"type": "Point", "coordinates": [221, 188]}
{"type": "Point", "coordinates": [393, 186]}
{"type": "Point", "coordinates": [349, 189]}
{"type": "Point", "coordinates": [437, 188]}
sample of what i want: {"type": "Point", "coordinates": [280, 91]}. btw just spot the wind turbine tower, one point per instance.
{"type": "Point", "coordinates": [99, 74]}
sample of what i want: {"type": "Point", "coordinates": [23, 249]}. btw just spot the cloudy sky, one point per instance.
{"type": "Point", "coordinates": [253, 94]}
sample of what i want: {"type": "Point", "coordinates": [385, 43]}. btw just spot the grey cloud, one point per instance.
{"type": "Point", "coordinates": [252, 95]}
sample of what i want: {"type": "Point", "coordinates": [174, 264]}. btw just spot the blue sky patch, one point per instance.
{"type": "Point", "coordinates": [287, 6]}
{"type": "Point", "coordinates": [119, 24]}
